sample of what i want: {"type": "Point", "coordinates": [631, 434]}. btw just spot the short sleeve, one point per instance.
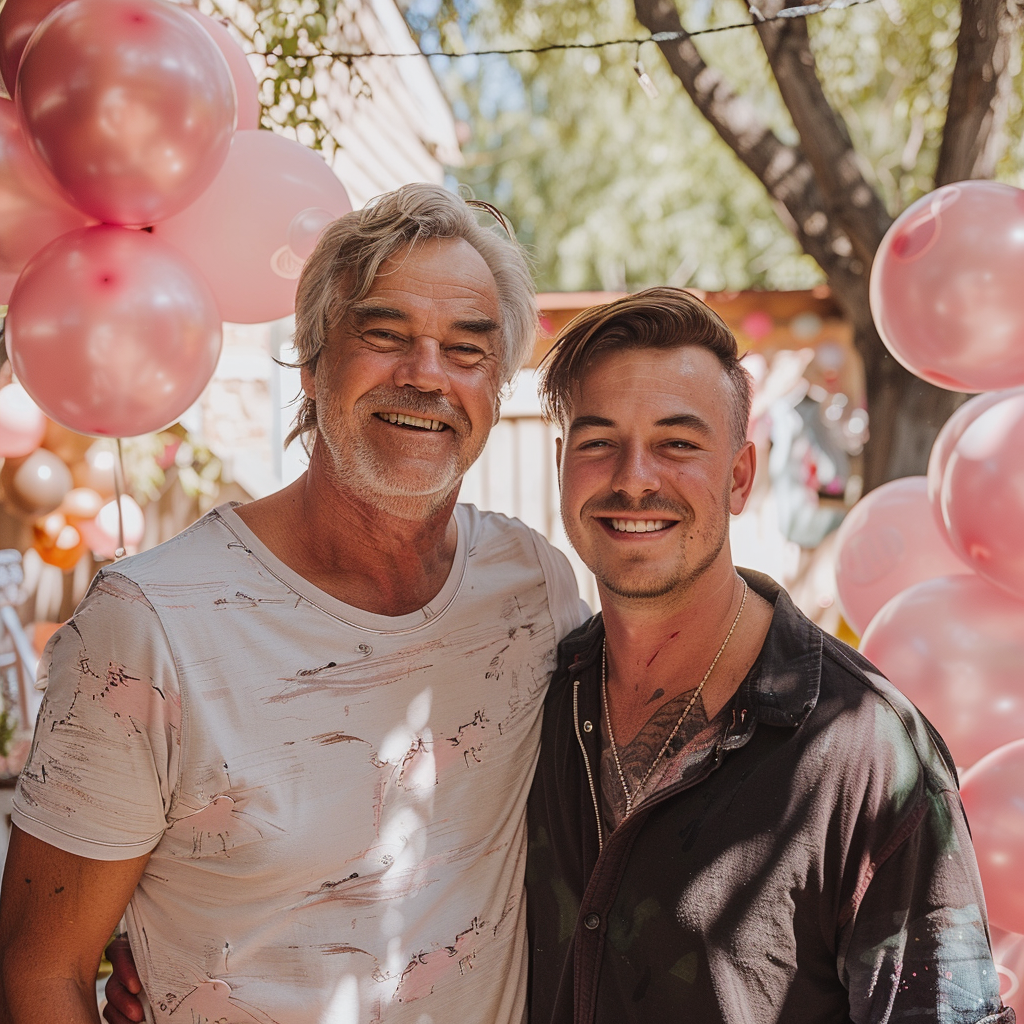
{"type": "Point", "coordinates": [567, 609]}
{"type": "Point", "coordinates": [103, 766]}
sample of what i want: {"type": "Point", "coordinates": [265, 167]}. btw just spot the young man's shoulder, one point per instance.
{"type": "Point", "coordinates": [893, 730]}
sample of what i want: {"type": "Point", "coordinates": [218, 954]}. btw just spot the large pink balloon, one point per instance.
{"type": "Point", "coordinates": [31, 213]}
{"type": "Point", "coordinates": [247, 89]}
{"type": "Point", "coordinates": [237, 231]}
{"type": "Point", "coordinates": [889, 541]}
{"type": "Point", "coordinates": [112, 332]}
{"type": "Point", "coordinates": [955, 647]}
{"type": "Point", "coordinates": [993, 796]}
{"type": "Point", "coordinates": [950, 433]}
{"type": "Point", "coordinates": [945, 287]}
{"type": "Point", "coordinates": [1008, 953]}
{"type": "Point", "coordinates": [18, 20]}
{"type": "Point", "coordinates": [982, 495]}
{"type": "Point", "coordinates": [130, 107]}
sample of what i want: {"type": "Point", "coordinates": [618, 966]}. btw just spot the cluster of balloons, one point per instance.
{"type": "Point", "coordinates": [930, 570]}
{"type": "Point", "coordinates": [142, 207]}
{"type": "Point", "coordinates": [64, 484]}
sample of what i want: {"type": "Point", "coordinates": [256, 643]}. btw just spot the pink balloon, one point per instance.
{"type": "Point", "coordinates": [305, 230]}
{"type": "Point", "coordinates": [129, 105]}
{"type": "Point", "coordinates": [237, 231]}
{"type": "Point", "coordinates": [950, 433]}
{"type": "Point", "coordinates": [22, 424]}
{"type": "Point", "coordinates": [993, 796]}
{"type": "Point", "coordinates": [1008, 953]}
{"type": "Point", "coordinates": [247, 89]}
{"type": "Point", "coordinates": [18, 20]}
{"type": "Point", "coordinates": [945, 288]}
{"type": "Point", "coordinates": [955, 647]}
{"type": "Point", "coordinates": [112, 332]}
{"type": "Point", "coordinates": [31, 213]}
{"type": "Point", "coordinates": [982, 495]}
{"type": "Point", "coordinates": [889, 541]}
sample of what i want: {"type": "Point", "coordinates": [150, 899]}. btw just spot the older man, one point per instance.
{"type": "Point", "coordinates": [293, 745]}
{"type": "Point", "coordinates": [735, 818]}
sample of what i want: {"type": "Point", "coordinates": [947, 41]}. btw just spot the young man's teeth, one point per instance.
{"type": "Point", "coordinates": [639, 525]}
{"type": "Point", "coordinates": [401, 419]}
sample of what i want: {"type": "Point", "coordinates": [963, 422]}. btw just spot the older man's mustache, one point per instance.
{"type": "Point", "coordinates": [426, 404]}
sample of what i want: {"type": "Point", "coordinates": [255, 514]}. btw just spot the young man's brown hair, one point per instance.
{"type": "Point", "coordinates": [657, 318]}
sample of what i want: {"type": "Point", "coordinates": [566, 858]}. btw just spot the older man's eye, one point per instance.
{"type": "Point", "coordinates": [466, 353]}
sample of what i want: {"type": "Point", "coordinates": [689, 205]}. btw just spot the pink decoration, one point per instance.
{"type": "Point", "coordinates": [945, 291]}
{"type": "Point", "coordinates": [955, 647]}
{"type": "Point", "coordinates": [237, 231]}
{"type": "Point", "coordinates": [950, 433]}
{"type": "Point", "coordinates": [18, 20]}
{"type": "Point", "coordinates": [22, 424]}
{"type": "Point", "coordinates": [247, 89]}
{"type": "Point", "coordinates": [889, 541]}
{"type": "Point", "coordinates": [32, 212]}
{"type": "Point", "coordinates": [101, 533]}
{"type": "Point", "coordinates": [112, 332]}
{"type": "Point", "coordinates": [1008, 953]}
{"type": "Point", "coordinates": [129, 105]}
{"type": "Point", "coordinates": [982, 496]}
{"type": "Point", "coordinates": [306, 228]}
{"type": "Point", "coordinates": [757, 325]}
{"type": "Point", "coordinates": [993, 796]}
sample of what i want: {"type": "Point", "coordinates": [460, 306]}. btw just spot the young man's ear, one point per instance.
{"type": "Point", "coordinates": [558, 460]}
{"type": "Point", "coordinates": [744, 468]}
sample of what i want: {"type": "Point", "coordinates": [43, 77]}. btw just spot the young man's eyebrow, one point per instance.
{"type": "Point", "coordinates": [686, 419]}
{"type": "Point", "coordinates": [581, 422]}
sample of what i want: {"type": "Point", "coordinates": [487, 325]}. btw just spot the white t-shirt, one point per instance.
{"type": "Point", "coordinates": [334, 800]}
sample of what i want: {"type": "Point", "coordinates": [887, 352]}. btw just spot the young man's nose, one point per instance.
{"type": "Point", "coordinates": [636, 472]}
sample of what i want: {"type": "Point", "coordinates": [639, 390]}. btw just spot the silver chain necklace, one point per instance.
{"type": "Point", "coordinates": [630, 797]}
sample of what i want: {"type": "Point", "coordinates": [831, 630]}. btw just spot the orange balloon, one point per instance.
{"type": "Point", "coordinates": [58, 542]}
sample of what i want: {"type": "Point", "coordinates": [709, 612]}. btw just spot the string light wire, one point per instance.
{"type": "Point", "coordinates": [787, 13]}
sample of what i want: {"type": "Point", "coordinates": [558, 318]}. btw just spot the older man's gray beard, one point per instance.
{"type": "Point", "coordinates": [360, 468]}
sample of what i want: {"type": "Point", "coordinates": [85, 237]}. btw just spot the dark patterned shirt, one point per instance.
{"type": "Point", "coordinates": [813, 866]}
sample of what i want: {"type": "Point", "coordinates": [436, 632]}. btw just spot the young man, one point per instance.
{"type": "Point", "coordinates": [295, 742]}
{"type": "Point", "coordinates": [735, 819]}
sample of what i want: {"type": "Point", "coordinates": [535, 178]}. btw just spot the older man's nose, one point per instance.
{"type": "Point", "coordinates": [422, 367]}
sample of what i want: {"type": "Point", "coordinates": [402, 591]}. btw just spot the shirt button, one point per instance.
{"type": "Point", "coordinates": [588, 726]}
{"type": "Point", "coordinates": [592, 920]}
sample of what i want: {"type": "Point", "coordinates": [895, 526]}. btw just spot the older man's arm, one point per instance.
{"type": "Point", "coordinates": [57, 911]}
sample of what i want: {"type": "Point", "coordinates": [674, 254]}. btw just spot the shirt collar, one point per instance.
{"type": "Point", "coordinates": [787, 684]}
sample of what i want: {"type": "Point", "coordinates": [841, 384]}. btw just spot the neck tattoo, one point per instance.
{"type": "Point", "coordinates": [631, 796]}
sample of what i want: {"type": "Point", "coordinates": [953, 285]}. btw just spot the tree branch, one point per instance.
{"type": "Point", "coordinates": [824, 138]}
{"type": "Point", "coordinates": [972, 139]}
{"type": "Point", "coordinates": [783, 170]}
